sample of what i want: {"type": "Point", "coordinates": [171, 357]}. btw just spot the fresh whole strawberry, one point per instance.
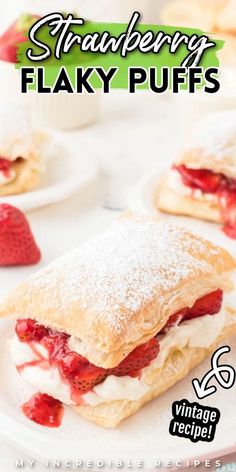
{"type": "Point", "coordinates": [17, 33]}
{"type": "Point", "coordinates": [17, 244]}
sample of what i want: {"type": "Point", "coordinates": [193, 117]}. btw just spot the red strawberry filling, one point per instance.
{"type": "Point", "coordinates": [5, 166]}
{"type": "Point", "coordinates": [209, 304]}
{"type": "Point", "coordinates": [81, 374]}
{"type": "Point", "coordinates": [218, 184]}
{"type": "Point", "coordinates": [44, 410]}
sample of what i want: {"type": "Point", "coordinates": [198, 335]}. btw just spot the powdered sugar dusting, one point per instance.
{"type": "Point", "coordinates": [14, 121]}
{"type": "Point", "coordinates": [215, 135]}
{"type": "Point", "coordinates": [17, 134]}
{"type": "Point", "coordinates": [124, 268]}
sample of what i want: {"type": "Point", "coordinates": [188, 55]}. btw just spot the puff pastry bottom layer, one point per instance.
{"type": "Point", "coordinates": [27, 176]}
{"type": "Point", "coordinates": [168, 200]}
{"type": "Point", "coordinates": [177, 366]}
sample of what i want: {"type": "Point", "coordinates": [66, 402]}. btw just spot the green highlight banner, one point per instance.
{"type": "Point", "coordinates": [71, 54]}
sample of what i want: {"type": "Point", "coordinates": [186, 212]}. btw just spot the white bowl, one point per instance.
{"type": "Point", "coordinates": [64, 111]}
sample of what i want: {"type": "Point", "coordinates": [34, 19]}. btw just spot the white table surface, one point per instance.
{"type": "Point", "coordinates": [132, 134]}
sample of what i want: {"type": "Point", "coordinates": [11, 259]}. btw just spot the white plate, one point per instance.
{"type": "Point", "coordinates": [143, 436]}
{"type": "Point", "coordinates": [140, 199]}
{"type": "Point", "coordinates": [69, 167]}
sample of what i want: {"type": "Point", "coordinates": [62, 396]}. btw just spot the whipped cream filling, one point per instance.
{"type": "Point", "coordinates": [42, 376]}
{"type": "Point", "coordinates": [175, 183]}
{"type": "Point", "coordinates": [198, 332]}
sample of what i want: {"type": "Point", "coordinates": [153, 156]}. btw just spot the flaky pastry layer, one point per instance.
{"type": "Point", "coordinates": [177, 366]}
{"type": "Point", "coordinates": [117, 291]}
{"type": "Point", "coordinates": [168, 200]}
{"type": "Point", "coordinates": [212, 144]}
{"type": "Point", "coordinates": [27, 176]}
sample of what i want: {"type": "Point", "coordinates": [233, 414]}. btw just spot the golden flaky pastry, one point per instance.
{"type": "Point", "coordinates": [213, 16]}
{"type": "Point", "coordinates": [178, 364]}
{"type": "Point", "coordinates": [211, 146]}
{"type": "Point", "coordinates": [20, 147]}
{"type": "Point", "coordinates": [118, 290]}
{"type": "Point", "coordinates": [113, 294]}
{"type": "Point", "coordinates": [194, 13]}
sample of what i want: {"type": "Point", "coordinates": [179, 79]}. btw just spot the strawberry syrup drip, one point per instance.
{"type": "Point", "coordinates": [218, 184]}
{"type": "Point", "coordinates": [80, 374]}
{"type": "Point", "coordinates": [5, 166]}
{"type": "Point", "coordinates": [39, 360]}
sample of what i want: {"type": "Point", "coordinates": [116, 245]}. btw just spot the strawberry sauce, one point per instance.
{"type": "Point", "coordinates": [5, 166]}
{"type": "Point", "coordinates": [80, 374]}
{"type": "Point", "coordinates": [44, 410]}
{"type": "Point", "coordinates": [76, 370]}
{"type": "Point", "coordinates": [218, 184]}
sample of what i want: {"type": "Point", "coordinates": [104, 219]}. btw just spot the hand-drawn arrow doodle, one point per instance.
{"type": "Point", "coordinates": [201, 387]}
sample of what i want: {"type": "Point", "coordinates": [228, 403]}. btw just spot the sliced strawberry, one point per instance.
{"type": "Point", "coordinates": [17, 244]}
{"type": "Point", "coordinates": [137, 359]}
{"type": "Point", "coordinates": [44, 410]}
{"type": "Point", "coordinates": [28, 330]}
{"type": "Point", "coordinates": [83, 375]}
{"type": "Point", "coordinates": [209, 182]}
{"type": "Point", "coordinates": [87, 377]}
{"type": "Point", "coordinates": [175, 320]}
{"type": "Point", "coordinates": [70, 363]}
{"type": "Point", "coordinates": [210, 304]}
{"type": "Point", "coordinates": [78, 371]}
{"type": "Point", "coordinates": [202, 179]}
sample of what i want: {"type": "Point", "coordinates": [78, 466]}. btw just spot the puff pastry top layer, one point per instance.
{"type": "Point", "coordinates": [226, 20]}
{"type": "Point", "coordinates": [212, 144]}
{"type": "Point", "coordinates": [118, 290]}
{"type": "Point", "coordinates": [195, 13]}
{"type": "Point", "coordinates": [18, 138]}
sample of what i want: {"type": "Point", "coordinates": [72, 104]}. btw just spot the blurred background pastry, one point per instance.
{"type": "Point", "coordinates": [21, 150]}
{"type": "Point", "coordinates": [226, 20]}
{"type": "Point", "coordinates": [213, 16]}
{"type": "Point", "coordinates": [194, 13]}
